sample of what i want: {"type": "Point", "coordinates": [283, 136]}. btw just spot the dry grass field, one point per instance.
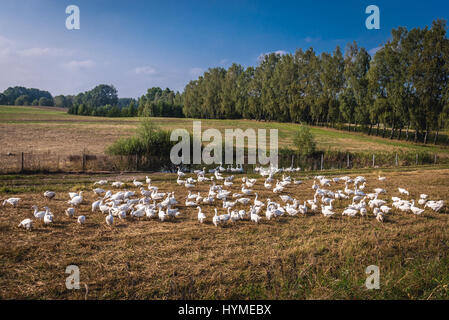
{"type": "Point", "coordinates": [39, 130]}
{"type": "Point", "coordinates": [302, 257]}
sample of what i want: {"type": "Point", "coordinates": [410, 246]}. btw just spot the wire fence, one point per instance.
{"type": "Point", "coordinates": [50, 162]}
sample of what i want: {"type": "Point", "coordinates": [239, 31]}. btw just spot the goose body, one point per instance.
{"type": "Point", "coordinates": [70, 212]}
{"type": "Point", "coordinates": [201, 215]}
{"type": "Point", "coordinates": [26, 224]}
{"type": "Point", "coordinates": [109, 219]}
{"type": "Point", "coordinates": [11, 201]}
{"type": "Point", "coordinates": [49, 194]}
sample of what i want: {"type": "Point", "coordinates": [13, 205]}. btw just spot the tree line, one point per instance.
{"type": "Point", "coordinates": [21, 96]}
{"type": "Point", "coordinates": [103, 101]}
{"type": "Point", "coordinates": [402, 89]}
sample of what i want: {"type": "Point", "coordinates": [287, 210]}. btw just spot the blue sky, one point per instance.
{"type": "Point", "coordinates": [135, 45]}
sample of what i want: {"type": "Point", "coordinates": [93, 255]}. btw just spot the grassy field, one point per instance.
{"type": "Point", "coordinates": [302, 257]}
{"type": "Point", "coordinates": [38, 130]}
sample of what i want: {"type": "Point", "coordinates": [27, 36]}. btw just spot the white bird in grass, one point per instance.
{"type": "Point", "coordinates": [286, 198]}
{"type": "Point", "coordinates": [12, 201]}
{"type": "Point", "coordinates": [48, 217]}
{"type": "Point", "coordinates": [151, 213]}
{"type": "Point", "coordinates": [26, 224]}
{"type": "Point", "coordinates": [326, 211]}
{"type": "Point", "coordinates": [99, 191]}
{"type": "Point", "coordinates": [416, 210]}
{"type": "Point", "coordinates": [81, 219]}
{"type": "Point", "coordinates": [180, 173]}
{"type": "Point", "coordinates": [435, 205]}
{"type": "Point", "coordinates": [49, 194]}
{"type": "Point", "coordinates": [76, 201]}
{"type": "Point", "coordinates": [96, 205]}
{"type": "Point", "coordinates": [201, 215]}
{"type": "Point", "coordinates": [109, 219]}
{"type": "Point", "coordinates": [172, 212]}
{"type": "Point", "coordinates": [138, 184]}
{"type": "Point", "coordinates": [38, 214]}
{"type": "Point", "coordinates": [403, 191]}
{"type": "Point", "coordinates": [118, 184]}
{"type": "Point", "coordinates": [255, 217]}
{"type": "Point", "coordinates": [161, 214]}
{"type": "Point", "coordinates": [216, 219]}
{"type": "Point", "coordinates": [382, 178]}
{"type": "Point", "coordinates": [73, 195]}
{"type": "Point", "coordinates": [70, 212]}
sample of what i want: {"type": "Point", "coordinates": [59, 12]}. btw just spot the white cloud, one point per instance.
{"type": "Point", "coordinates": [145, 70]}
{"type": "Point", "coordinates": [196, 72]}
{"type": "Point", "coordinates": [311, 39]}
{"type": "Point", "coordinates": [76, 65]}
{"type": "Point", "coordinates": [262, 55]}
{"type": "Point", "coordinates": [40, 52]}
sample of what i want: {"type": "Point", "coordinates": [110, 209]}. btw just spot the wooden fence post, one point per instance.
{"type": "Point", "coordinates": [397, 159]}
{"type": "Point", "coordinates": [322, 161]}
{"type": "Point", "coordinates": [416, 159]}
{"type": "Point", "coordinates": [435, 160]}
{"type": "Point", "coordinates": [84, 162]}
{"type": "Point", "coordinates": [21, 162]}
{"type": "Point", "coordinates": [347, 159]}
{"type": "Point", "coordinates": [374, 159]}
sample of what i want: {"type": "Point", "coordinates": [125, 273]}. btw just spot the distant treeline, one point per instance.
{"type": "Point", "coordinates": [403, 87]}
{"type": "Point", "coordinates": [21, 96]}
{"type": "Point", "coordinates": [103, 101]}
{"type": "Point", "coordinates": [100, 101]}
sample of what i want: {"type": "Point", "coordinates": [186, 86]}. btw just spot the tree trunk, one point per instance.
{"type": "Point", "coordinates": [406, 132]}
{"type": "Point", "coordinates": [377, 130]}
{"type": "Point", "coordinates": [392, 132]}
{"type": "Point", "coordinates": [416, 136]}
{"type": "Point", "coordinates": [400, 133]}
{"type": "Point", "coordinates": [370, 128]}
{"type": "Point", "coordinates": [425, 136]}
{"type": "Point", "coordinates": [436, 137]}
{"type": "Point", "coordinates": [383, 132]}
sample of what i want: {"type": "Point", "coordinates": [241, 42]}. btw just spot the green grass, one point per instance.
{"type": "Point", "coordinates": [19, 119]}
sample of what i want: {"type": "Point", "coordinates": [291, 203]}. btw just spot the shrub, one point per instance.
{"type": "Point", "coordinates": [148, 141]}
{"type": "Point", "coordinates": [304, 140]}
{"type": "Point", "coordinates": [22, 101]}
{"type": "Point", "coordinates": [45, 102]}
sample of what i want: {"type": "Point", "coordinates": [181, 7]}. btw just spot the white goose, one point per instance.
{"type": "Point", "coordinates": [416, 210]}
{"type": "Point", "coordinates": [38, 214]}
{"type": "Point", "coordinates": [76, 201]}
{"type": "Point", "coordinates": [81, 219]}
{"type": "Point", "coordinates": [49, 194]}
{"type": "Point", "coordinates": [101, 182]}
{"type": "Point", "coordinates": [201, 215]}
{"type": "Point", "coordinates": [109, 219]}
{"type": "Point", "coordinates": [403, 191]}
{"type": "Point", "coordinates": [12, 201]}
{"type": "Point", "coordinates": [70, 212]}
{"type": "Point", "coordinates": [216, 219]}
{"type": "Point", "coordinates": [26, 224]}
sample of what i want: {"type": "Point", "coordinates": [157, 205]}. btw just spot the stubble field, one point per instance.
{"type": "Point", "coordinates": [300, 257]}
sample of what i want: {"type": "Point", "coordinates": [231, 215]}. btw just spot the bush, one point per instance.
{"type": "Point", "coordinates": [22, 101]}
{"type": "Point", "coordinates": [304, 141]}
{"type": "Point", "coordinates": [45, 102]}
{"type": "Point", "coordinates": [148, 141]}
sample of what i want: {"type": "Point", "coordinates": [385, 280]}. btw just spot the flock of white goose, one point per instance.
{"type": "Point", "coordinates": [153, 204]}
